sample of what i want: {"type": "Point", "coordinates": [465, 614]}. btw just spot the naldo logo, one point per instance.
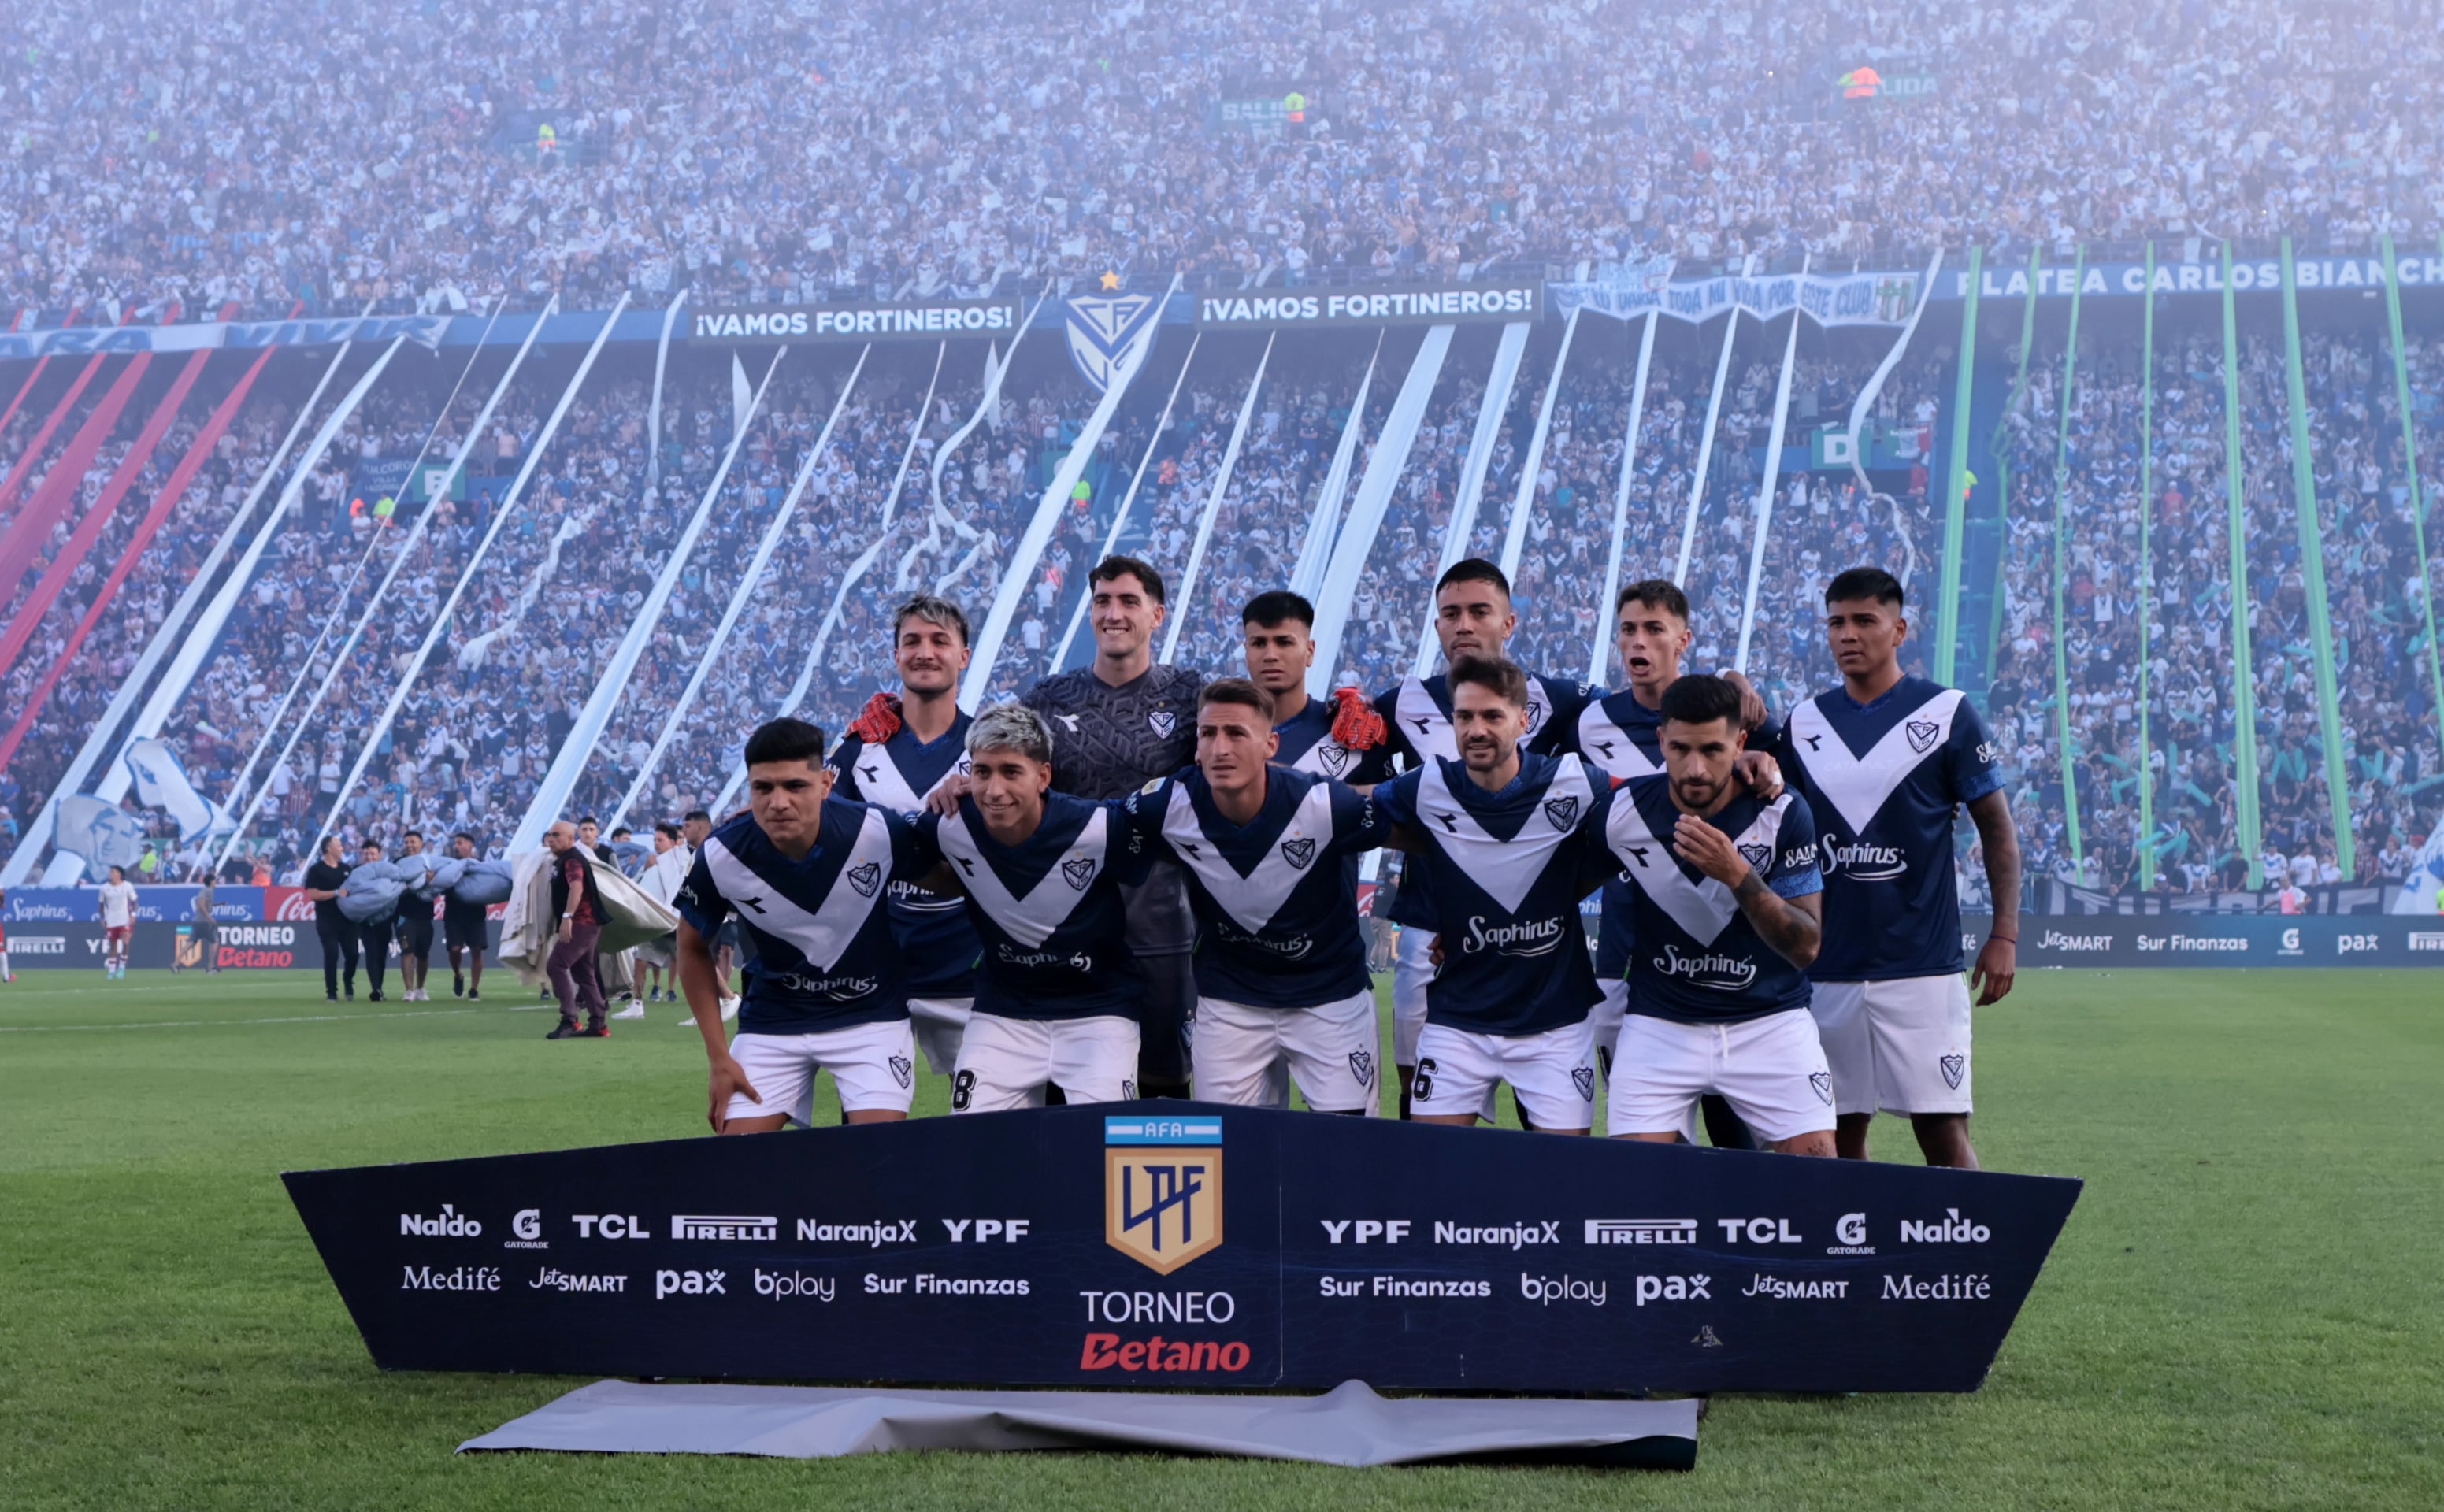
{"type": "Point", "coordinates": [1949, 1229]}
{"type": "Point", "coordinates": [451, 1224]}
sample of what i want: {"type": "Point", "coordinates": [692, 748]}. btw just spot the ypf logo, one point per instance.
{"type": "Point", "coordinates": [1163, 1189]}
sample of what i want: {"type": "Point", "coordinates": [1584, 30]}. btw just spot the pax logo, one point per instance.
{"type": "Point", "coordinates": [689, 1284]}
{"type": "Point", "coordinates": [1673, 1289]}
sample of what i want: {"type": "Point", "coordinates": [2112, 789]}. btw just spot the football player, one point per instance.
{"type": "Point", "coordinates": [1341, 736]}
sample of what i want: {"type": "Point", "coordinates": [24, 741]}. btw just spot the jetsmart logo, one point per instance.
{"type": "Point", "coordinates": [693, 1226]}
{"type": "Point", "coordinates": [451, 1224]}
{"type": "Point", "coordinates": [1949, 1229]}
{"type": "Point", "coordinates": [2055, 940]}
{"type": "Point", "coordinates": [1529, 937]}
{"type": "Point", "coordinates": [1641, 1230]}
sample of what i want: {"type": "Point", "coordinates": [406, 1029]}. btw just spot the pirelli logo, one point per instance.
{"type": "Point", "coordinates": [1641, 1230]}
{"type": "Point", "coordinates": [698, 1226]}
{"type": "Point", "coordinates": [2427, 939]}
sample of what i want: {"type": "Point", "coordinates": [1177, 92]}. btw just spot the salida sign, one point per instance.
{"type": "Point", "coordinates": [1102, 1244]}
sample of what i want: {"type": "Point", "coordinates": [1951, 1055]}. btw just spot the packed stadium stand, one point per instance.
{"type": "Point", "coordinates": [311, 572]}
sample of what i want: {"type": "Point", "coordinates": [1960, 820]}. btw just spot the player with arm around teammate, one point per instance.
{"type": "Point", "coordinates": [1723, 887]}
{"type": "Point", "coordinates": [901, 748]}
{"type": "Point", "coordinates": [804, 873]}
{"type": "Point", "coordinates": [1502, 837]}
{"type": "Point", "coordinates": [1058, 989]}
{"type": "Point", "coordinates": [1473, 618]}
{"type": "Point", "coordinates": [1271, 859]}
{"type": "Point", "coordinates": [1885, 762]}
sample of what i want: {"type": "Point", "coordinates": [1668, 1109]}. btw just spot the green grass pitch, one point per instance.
{"type": "Point", "coordinates": [2245, 1311]}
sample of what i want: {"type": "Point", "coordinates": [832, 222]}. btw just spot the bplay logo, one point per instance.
{"type": "Point", "coordinates": [689, 1284]}
{"type": "Point", "coordinates": [794, 1285]}
{"type": "Point", "coordinates": [527, 1225]}
{"type": "Point", "coordinates": [1547, 1290]}
{"type": "Point", "coordinates": [1949, 1229]}
{"type": "Point", "coordinates": [451, 1224]}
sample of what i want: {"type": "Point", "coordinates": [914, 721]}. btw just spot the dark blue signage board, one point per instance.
{"type": "Point", "coordinates": [1172, 1244]}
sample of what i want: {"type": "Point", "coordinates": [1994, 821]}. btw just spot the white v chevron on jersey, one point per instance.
{"type": "Point", "coordinates": [1505, 870]}
{"type": "Point", "coordinates": [1428, 729]}
{"type": "Point", "coordinates": [880, 780]}
{"type": "Point", "coordinates": [1701, 906]}
{"type": "Point", "coordinates": [824, 935]}
{"type": "Point", "coordinates": [1857, 785]}
{"type": "Point", "coordinates": [1602, 741]}
{"type": "Point", "coordinates": [1030, 920]}
{"type": "Point", "coordinates": [1253, 899]}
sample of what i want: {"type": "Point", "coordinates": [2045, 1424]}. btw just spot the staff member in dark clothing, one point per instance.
{"type": "Point", "coordinates": [574, 981]}
{"type": "Point", "coordinates": [463, 931]}
{"type": "Point", "coordinates": [415, 930]}
{"type": "Point", "coordinates": [324, 880]}
{"type": "Point", "coordinates": [373, 936]}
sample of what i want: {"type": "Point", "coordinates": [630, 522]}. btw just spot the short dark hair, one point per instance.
{"type": "Point", "coordinates": [932, 610]}
{"type": "Point", "coordinates": [1655, 593]}
{"type": "Point", "coordinates": [588, 819]}
{"type": "Point", "coordinates": [1237, 691]}
{"type": "Point", "coordinates": [412, 834]}
{"type": "Point", "coordinates": [369, 843]}
{"type": "Point", "coordinates": [1700, 698]}
{"type": "Point", "coordinates": [1500, 674]}
{"type": "Point", "coordinates": [470, 840]}
{"type": "Point", "coordinates": [694, 813]}
{"type": "Point", "coordinates": [1111, 567]}
{"type": "Point", "coordinates": [784, 740]}
{"type": "Point", "coordinates": [119, 871]}
{"type": "Point", "coordinates": [1472, 569]}
{"type": "Point", "coordinates": [1278, 607]}
{"type": "Point", "coordinates": [667, 829]}
{"type": "Point", "coordinates": [1864, 582]}
{"type": "Point", "coordinates": [619, 830]}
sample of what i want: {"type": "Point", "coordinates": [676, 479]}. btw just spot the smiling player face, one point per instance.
{"type": "Point", "coordinates": [1487, 727]}
{"type": "Point", "coordinates": [1008, 787]}
{"type": "Point", "coordinates": [930, 657]}
{"type": "Point", "coordinates": [1124, 617]}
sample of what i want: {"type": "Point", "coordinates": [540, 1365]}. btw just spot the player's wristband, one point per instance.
{"type": "Point", "coordinates": [2007, 939]}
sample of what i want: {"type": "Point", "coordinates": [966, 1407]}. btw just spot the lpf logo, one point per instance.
{"type": "Point", "coordinates": [1163, 1189]}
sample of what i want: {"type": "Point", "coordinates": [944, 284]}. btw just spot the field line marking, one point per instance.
{"type": "Point", "coordinates": [214, 1023]}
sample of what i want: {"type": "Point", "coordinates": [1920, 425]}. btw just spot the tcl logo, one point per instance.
{"type": "Point", "coordinates": [609, 1226]}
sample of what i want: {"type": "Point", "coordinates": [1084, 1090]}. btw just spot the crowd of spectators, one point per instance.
{"type": "Point", "coordinates": [445, 154]}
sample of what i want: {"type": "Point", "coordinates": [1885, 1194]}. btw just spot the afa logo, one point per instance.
{"type": "Point", "coordinates": [1162, 1189]}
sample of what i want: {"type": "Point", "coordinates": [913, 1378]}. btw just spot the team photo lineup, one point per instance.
{"type": "Point", "coordinates": [1137, 879]}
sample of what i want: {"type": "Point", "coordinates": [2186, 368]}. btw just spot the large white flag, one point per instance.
{"type": "Point", "coordinates": [161, 783]}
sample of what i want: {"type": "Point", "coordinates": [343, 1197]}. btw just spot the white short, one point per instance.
{"type": "Point", "coordinates": [873, 1066]}
{"type": "Point", "coordinates": [1897, 1046]}
{"type": "Point", "coordinates": [1007, 1064]}
{"type": "Point", "coordinates": [1329, 1049]}
{"type": "Point", "coordinates": [1412, 967]}
{"type": "Point", "coordinates": [1770, 1070]}
{"type": "Point", "coordinates": [1552, 1074]}
{"type": "Point", "coordinates": [1604, 1025]}
{"type": "Point", "coordinates": [940, 1022]}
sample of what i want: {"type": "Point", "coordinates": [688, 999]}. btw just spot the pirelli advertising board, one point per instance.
{"type": "Point", "coordinates": [924, 320]}
{"type": "Point", "coordinates": [1169, 1244]}
{"type": "Point", "coordinates": [1299, 309]}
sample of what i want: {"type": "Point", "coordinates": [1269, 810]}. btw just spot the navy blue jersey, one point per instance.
{"type": "Point", "coordinates": [1884, 782]}
{"type": "Point", "coordinates": [1416, 710]}
{"type": "Point", "coordinates": [1276, 899]}
{"type": "Point", "coordinates": [1697, 959]}
{"type": "Point", "coordinates": [1505, 870]}
{"type": "Point", "coordinates": [935, 939]}
{"type": "Point", "coordinates": [1049, 909]}
{"type": "Point", "coordinates": [822, 955]}
{"type": "Point", "coordinates": [1307, 745]}
{"type": "Point", "coordinates": [1625, 737]}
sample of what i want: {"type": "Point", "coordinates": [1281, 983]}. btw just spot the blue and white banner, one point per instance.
{"type": "Point", "coordinates": [424, 330]}
{"type": "Point", "coordinates": [1827, 299]}
{"type": "Point", "coordinates": [161, 783]}
{"type": "Point", "coordinates": [101, 835]}
{"type": "Point", "coordinates": [2204, 275]}
{"type": "Point", "coordinates": [1107, 333]}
